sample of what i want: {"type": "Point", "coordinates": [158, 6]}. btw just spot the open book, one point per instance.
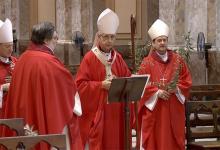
{"type": "Point", "coordinates": [128, 88]}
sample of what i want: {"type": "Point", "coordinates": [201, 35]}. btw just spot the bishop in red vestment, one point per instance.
{"type": "Point", "coordinates": [161, 110]}
{"type": "Point", "coordinates": [6, 69]}
{"type": "Point", "coordinates": [7, 61]}
{"type": "Point", "coordinates": [102, 123]}
{"type": "Point", "coordinates": [42, 90]}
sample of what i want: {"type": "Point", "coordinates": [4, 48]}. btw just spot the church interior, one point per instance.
{"type": "Point", "coordinates": [71, 16]}
{"type": "Point", "coordinates": [194, 32]}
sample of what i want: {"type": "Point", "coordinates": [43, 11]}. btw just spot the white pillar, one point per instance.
{"type": "Point", "coordinates": [196, 18]}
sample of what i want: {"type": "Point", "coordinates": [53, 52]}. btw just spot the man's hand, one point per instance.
{"type": "Point", "coordinates": [164, 94]}
{"type": "Point", "coordinates": [5, 87]}
{"type": "Point", "coordinates": [172, 91]}
{"type": "Point", "coordinates": [106, 84]}
{"type": "Point", "coordinates": [7, 79]}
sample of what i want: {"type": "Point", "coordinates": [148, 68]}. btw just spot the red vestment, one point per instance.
{"type": "Point", "coordinates": [42, 92]}
{"type": "Point", "coordinates": [163, 128]}
{"type": "Point", "coordinates": [6, 70]}
{"type": "Point", "coordinates": [102, 123]}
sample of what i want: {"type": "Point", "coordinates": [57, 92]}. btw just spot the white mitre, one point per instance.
{"type": "Point", "coordinates": [6, 34]}
{"type": "Point", "coordinates": [157, 29]}
{"type": "Point", "coordinates": [108, 22]}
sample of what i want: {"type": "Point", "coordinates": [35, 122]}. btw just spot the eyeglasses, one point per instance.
{"type": "Point", "coordinates": [106, 37]}
{"type": "Point", "coordinates": [7, 45]}
{"type": "Point", "coordinates": [55, 37]}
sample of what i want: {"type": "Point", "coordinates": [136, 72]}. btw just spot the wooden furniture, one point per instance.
{"type": "Point", "coordinates": [205, 92]}
{"type": "Point", "coordinates": [28, 142]}
{"type": "Point", "coordinates": [16, 124]}
{"type": "Point", "coordinates": [200, 129]}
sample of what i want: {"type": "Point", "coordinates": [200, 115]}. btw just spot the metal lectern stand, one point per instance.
{"type": "Point", "coordinates": [127, 89]}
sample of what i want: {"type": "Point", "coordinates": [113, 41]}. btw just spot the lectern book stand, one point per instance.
{"type": "Point", "coordinates": [127, 89]}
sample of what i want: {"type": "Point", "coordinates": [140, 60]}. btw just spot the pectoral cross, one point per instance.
{"type": "Point", "coordinates": [108, 76]}
{"type": "Point", "coordinates": [163, 81]}
{"type": "Point", "coordinates": [108, 71]}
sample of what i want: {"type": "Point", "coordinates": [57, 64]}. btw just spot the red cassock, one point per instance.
{"type": "Point", "coordinates": [6, 70]}
{"type": "Point", "coordinates": [163, 128]}
{"type": "Point", "coordinates": [102, 123]}
{"type": "Point", "coordinates": [42, 92]}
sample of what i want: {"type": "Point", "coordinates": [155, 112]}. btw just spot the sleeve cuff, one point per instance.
{"type": "Point", "coordinates": [1, 96]}
{"type": "Point", "coordinates": [150, 104]}
{"type": "Point", "coordinates": [77, 107]}
{"type": "Point", "coordinates": [180, 96]}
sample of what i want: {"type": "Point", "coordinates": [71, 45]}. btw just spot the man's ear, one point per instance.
{"type": "Point", "coordinates": [152, 42]}
{"type": "Point", "coordinates": [46, 41]}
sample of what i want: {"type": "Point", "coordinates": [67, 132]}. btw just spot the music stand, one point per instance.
{"type": "Point", "coordinates": [127, 89]}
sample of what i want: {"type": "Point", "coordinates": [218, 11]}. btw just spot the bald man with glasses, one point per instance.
{"type": "Point", "coordinates": [7, 61]}
{"type": "Point", "coordinates": [102, 123]}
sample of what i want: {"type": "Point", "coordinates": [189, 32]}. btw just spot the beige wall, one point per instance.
{"type": "Point", "coordinates": [41, 10]}
{"type": "Point", "coordinates": [124, 13]}
{"type": "Point", "coordinates": [46, 10]}
{"type": "Point", "coordinates": [124, 9]}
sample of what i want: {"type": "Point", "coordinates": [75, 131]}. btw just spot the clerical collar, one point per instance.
{"type": "Point", "coordinates": [107, 55]}
{"type": "Point", "coordinates": [164, 57]}
{"type": "Point", "coordinates": [4, 60]}
{"type": "Point", "coordinates": [49, 48]}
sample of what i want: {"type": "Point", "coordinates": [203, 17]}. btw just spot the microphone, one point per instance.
{"type": "Point", "coordinates": [14, 40]}
{"type": "Point", "coordinates": [78, 39]}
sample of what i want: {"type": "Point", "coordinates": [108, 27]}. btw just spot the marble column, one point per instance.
{"type": "Point", "coordinates": [211, 21]}
{"type": "Point", "coordinates": [68, 18]}
{"type": "Point", "coordinates": [2, 9]}
{"type": "Point", "coordinates": [196, 18]}
{"type": "Point", "coordinates": [60, 18]}
{"type": "Point", "coordinates": [97, 7]}
{"type": "Point", "coordinates": [76, 17]}
{"type": "Point", "coordinates": [15, 15]}
{"type": "Point", "coordinates": [183, 16]}
{"type": "Point", "coordinates": [166, 13]}
{"type": "Point", "coordinates": [9, 9]}
{"type": "Point", "coordinates": [151, 12]}
{"type": "Point", "coordinates": [18, 12]}
{"type": "Point", "coordinates": [5, 9]}
{"type": "Point", "coordinates": [71, 16]}
{"type": "Point", "coordinates": [24, 20]}
{"type": "Point", "coordinates": [172, 12]}
{"type": "Point", "coordinates": [179, 30]}
{"type": "Point", "coordinates": [87, 20]}
{"type": "Point", "coordinates": [217, 24]}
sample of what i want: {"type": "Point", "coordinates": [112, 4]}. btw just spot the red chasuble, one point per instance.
{"type": "Point", "coordinates": [163, 128]}
{"type": "Point", "coordinates": [102, 123]}
{"type": "Point", "coordinates": [42, 92]}
{"type": "Point", "coordinates": [6, 70]}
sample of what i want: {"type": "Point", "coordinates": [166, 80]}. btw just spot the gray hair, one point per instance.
{"type": "Point", "coordinates": [42, 31]}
